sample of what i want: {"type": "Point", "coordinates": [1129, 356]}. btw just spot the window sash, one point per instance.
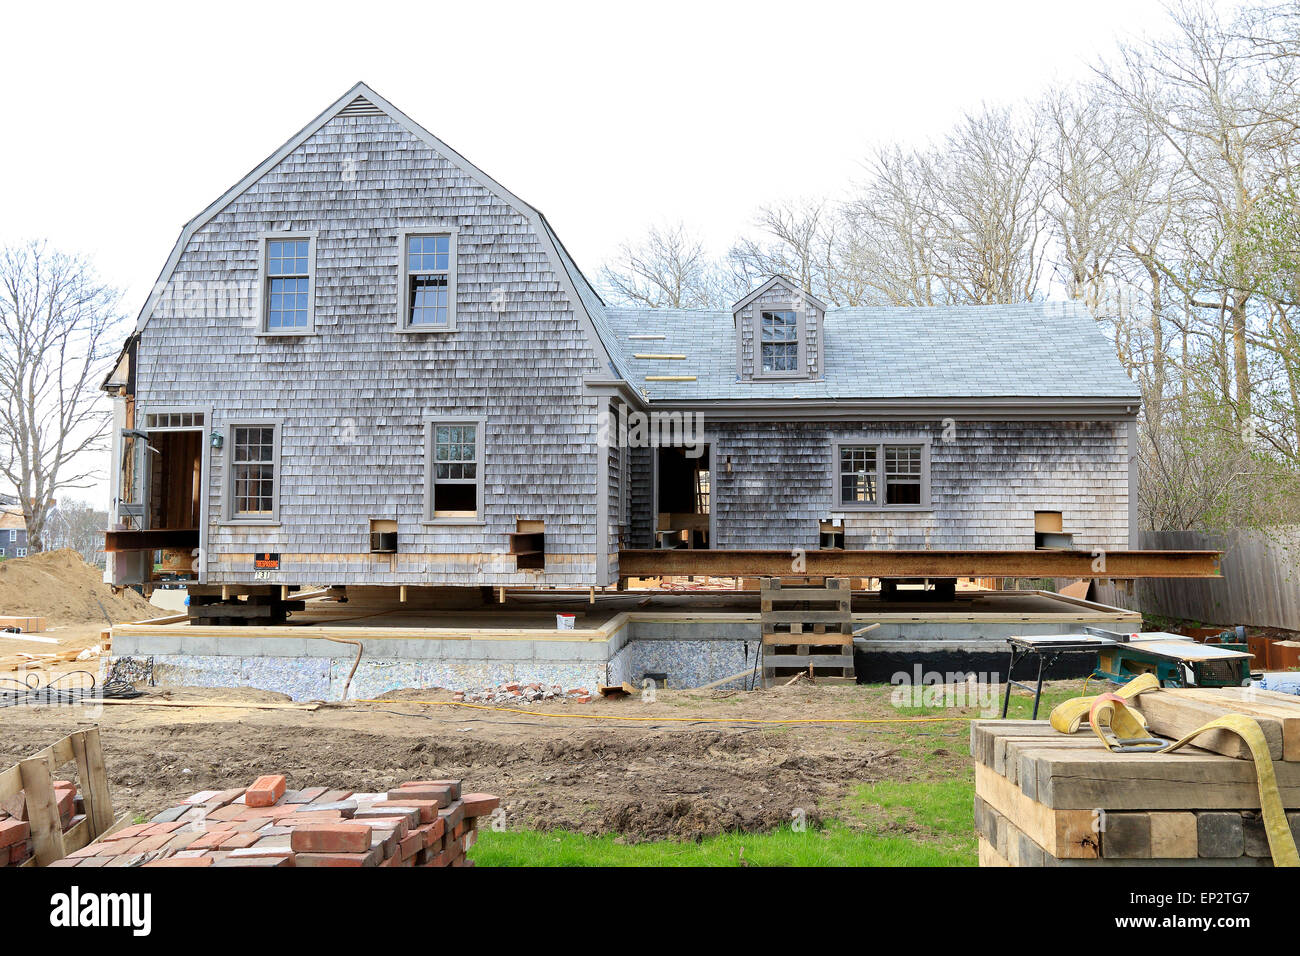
{"type": "Point", "coordinates": [858, 474]}
{"type": "Point", "coordinates": [428, 268]}
{"type": "Point", "coordinates": [288, 275]}
{"type": "Point", "coordinates": [780, 344]}
{"type": "Point", "coordinates": [454, 451]}
{"type": "Point", "coordinates": [253, 471]}
{"type": "Point", "coordinates": [882, 475]}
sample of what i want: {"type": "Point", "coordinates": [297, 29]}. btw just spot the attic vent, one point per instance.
{"type": "Point", "coordinates": [361, 107]}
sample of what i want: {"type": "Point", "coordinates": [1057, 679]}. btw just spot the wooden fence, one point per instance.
{"type": "Point", "coordinates": [1260, 584]}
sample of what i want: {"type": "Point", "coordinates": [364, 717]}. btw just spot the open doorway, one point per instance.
{"type": "Point", "coordinates": [175, 480]}
{"type": "Point", "coordinates": [683, 499]}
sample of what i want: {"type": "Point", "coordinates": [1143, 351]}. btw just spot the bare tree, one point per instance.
{"type": "Point", "coordinates": [668, 269]}
{"type": "Point", "coordinates": [961, 222]}
{"type": "Point", "coordinates": [79, 526]}
{"type": "Point", "coordinates": [57, 328]}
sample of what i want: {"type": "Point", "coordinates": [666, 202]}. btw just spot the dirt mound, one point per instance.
{"type": "Point", "coordinates": [64, 589]}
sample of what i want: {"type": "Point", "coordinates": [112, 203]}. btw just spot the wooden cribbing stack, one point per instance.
{"type": "Point", "coordinates": [807, 630]}
{"type": "Point", "coordinates": [1043, 798]}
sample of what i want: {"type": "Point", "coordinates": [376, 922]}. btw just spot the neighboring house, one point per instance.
{"type": "Point", "coordinates": [370, 363]}
{"type": "Point", "coordinates": [13, 533]}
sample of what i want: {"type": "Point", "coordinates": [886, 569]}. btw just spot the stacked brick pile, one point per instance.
{"type": "Point", "coordinates": [513, 693]}
{"type": "Point", "coordinates": [421, 823]}
{"type": "Point", "coordinates": [16, 832]}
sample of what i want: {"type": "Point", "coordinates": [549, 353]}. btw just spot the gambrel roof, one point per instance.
{"type": "Point", "coordinates": [1036, 350]}
{"type": "Point", "coordinates": [362, 100]}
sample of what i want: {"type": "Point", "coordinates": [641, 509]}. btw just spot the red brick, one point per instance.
{"type": "Point", "coordinates": [319, 816]}
{"type": "Point", "coordinates": [440, 795]}
{"type": "Point", "coordinates": [92, 849]}
{"type": "Point", "coordinates": [183, 861]}
{"type": "Point", "coordinates": [14, 831]}
{"type": "Point", "coordinates": [19, 852]}
{"type": "Point", "coordinates": [412, 845]}
{"type": "Point", "coordinates": [454, 814]}
{"type": "Point", "coordinates": [94, 862]}
{"type": "Point", "coordinates": [150, 843]}
{"type": "Point", "coordinates": [237, 841]}
{"type": "Point", "coordinates": [453, 784]}
{"type": "Point", "coordinates": [157, 828]}
{"type": "Point", "coordinates": [331, 838]}
{"type": "Point", "coordinates": [231, 811]}
{"type": "Point", "coordinates": [263, 862]}
{"type": "Point", "coordinates": [479, 804]}
{"type": "Point", "coordinates": [126, 833]}
{"type": "Point", "coordinates": [333, 796]}
{"type": "Point", "coordinates": [428, 808]}
{"type": "Point", "coordinates": [265, 791]}
{"type": "Point", "coordinates": [369, 858]}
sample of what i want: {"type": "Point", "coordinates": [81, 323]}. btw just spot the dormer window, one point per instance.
{"type": "Point", "coordinates": [779, 345]}
{"type": "Point", "coordinates": [779, 333]}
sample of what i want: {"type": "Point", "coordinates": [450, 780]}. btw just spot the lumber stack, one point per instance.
{"type": "Point", "coordinates": [420, 823]}
{"type": "Point", "coordinates": [1043, 798]}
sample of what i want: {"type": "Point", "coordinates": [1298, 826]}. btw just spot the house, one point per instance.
{"type": "Point", "coordinates": [369, 363]}
{"type": "Point", "coordinates": [13, 532]}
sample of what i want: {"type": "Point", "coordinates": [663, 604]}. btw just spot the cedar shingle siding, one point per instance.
{"type": "Point", "coordinates": [351, 399]}
{"type": "Point", "coordinates": [354, 396]}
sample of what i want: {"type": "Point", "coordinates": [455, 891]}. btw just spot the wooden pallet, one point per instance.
{"type": "Point", "coordinates": [806, 630]}
{"type": "Point", "coordinates": [34, 778]}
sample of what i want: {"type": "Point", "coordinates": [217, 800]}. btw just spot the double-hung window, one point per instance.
{"type": "Point", "coordinates": [454, 471]}
{"type": "Point", "coordinates": [427, 281]}
{"type": "Point", "coordinates": [253, 464]}
{"type": "Point", "coordinates": [875, 475]}
{"type": "Point", "coordinates": [779, 342]}
{"type": "Point", "coordinates": [288, 274]}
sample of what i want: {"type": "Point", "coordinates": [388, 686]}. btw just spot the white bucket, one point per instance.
{"type": "Point", "coordinates": [564, 622]}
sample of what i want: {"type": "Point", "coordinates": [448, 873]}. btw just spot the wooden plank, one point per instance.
{"type": "Point", "coordinates": [1173, 835]}
{"type": "Point", "coordinates": [1285, 713]}
{"type": "Point", "coordinates": [77, 836]}
{"type": "Point", "coordinates": [1126, 836]}
{"type": "Point", "coordinates": [78, 739]}
{"type": "Point", "coordinates": [42, 810]}
{"type": "Point", "coordinates": [97, 781]}
{"type": "Point", "coordinates": [1071, 779]}
{"type": "Point", "coordinates": [1174, 716]}
{"type": "Point", "coordinates": [989, 856]}
{"type": "Point", "coordinates": [1061, 833]}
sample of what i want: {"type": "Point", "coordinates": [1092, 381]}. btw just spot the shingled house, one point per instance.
{"type": "Point", "coordinates": [370, 363]}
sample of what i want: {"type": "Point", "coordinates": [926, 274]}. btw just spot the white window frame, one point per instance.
{"type": "Point", "coordinates": [480, 428]}
{"type": "Point", "coordinates": [801, 331]}
{"type": "Point", "coordinates": [264, 284]}
{"type": "Point", "coordinates": [229, 515]}
{"type": "Point", "coordinates": [880, 442]}
{"type": "Point", "coordinates": [13, 535]}
{"type": "Point", "coordinates": [20, 552]}
{"type": "Point", "coordinates": [404, 285]}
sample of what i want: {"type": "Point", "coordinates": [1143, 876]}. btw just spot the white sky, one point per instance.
{"type": "Point", "coordinates": [119, 127]}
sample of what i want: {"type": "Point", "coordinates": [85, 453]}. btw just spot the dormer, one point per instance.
{"type": "Point", "coordinates": [779, 333]}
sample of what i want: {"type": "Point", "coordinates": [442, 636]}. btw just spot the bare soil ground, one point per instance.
{"type": "Point", "coordinates": [664, 775]}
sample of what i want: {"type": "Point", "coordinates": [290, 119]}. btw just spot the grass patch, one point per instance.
{"type": "Point", "coordinates": [833, 845]}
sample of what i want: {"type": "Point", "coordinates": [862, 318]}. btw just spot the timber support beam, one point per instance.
{"type": "Point", "coordinates": [921, 564]}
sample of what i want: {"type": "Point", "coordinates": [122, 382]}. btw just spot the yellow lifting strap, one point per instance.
{"type": "Point", "coordinates": [1067, 717]}
{"type": "Point", "coordinates": [1120, 729]}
